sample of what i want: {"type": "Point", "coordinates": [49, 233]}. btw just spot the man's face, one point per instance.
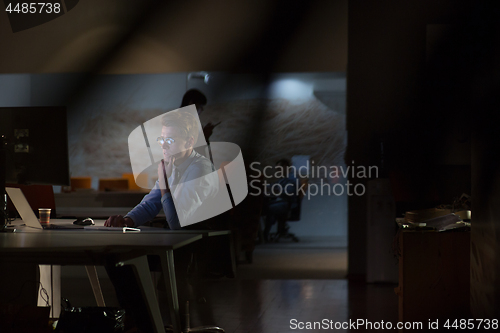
{"type": "Point", "coordinates": [179, 147]}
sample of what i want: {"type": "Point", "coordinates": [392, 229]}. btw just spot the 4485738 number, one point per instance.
{"type": "Point", "coordinates": [34, 7]}
{"type": "Point", "coordinates": [471, 324]}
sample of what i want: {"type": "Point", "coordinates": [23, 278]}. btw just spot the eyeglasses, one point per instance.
{"type": "Point", "coordinates": [161, 140]}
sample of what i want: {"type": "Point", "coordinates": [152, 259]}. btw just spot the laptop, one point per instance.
{"type": "Point", "coordinates": [29, 218]}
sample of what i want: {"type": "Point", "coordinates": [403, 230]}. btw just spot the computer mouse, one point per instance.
{"type": "Point", "coordinates": [84, 221]}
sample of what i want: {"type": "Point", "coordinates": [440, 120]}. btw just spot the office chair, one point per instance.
{"type": "Point", "coordinates": [293, 216]}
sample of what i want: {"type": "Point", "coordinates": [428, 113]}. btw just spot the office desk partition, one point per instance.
{"type": "Point", "coordinates": [93, 212]}
{"type": "Point", "coordinates": [90, 248]}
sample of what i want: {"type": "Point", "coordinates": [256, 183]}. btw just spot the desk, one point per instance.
{"type": "Point", "coordinates": [229, 256]}
{"type": "Point", "coordinates": [65, 247]}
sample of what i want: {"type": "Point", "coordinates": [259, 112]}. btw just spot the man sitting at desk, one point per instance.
{"type": "Point", "coordinates": [184, 176]}
{"type": "Point", "coordinates": [186, 183]}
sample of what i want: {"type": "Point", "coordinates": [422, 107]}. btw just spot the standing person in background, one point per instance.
{"type": "Point", "coordinates": [194, 96]}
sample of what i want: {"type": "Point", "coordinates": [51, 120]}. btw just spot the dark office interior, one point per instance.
{"type": "Point", "coordinates": [407, 87]}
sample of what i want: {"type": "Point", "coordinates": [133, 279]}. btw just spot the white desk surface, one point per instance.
{"type": "Point", "coordinates": [19, 226]}
{"type": "Point", "coordinates": [86, 247]}
{"type": "Point", "coordinates": [79, 245]}
{"type": "Point", "coordinates": [65, 246]}
{"type": "Point", "coordinates": [90, 240]}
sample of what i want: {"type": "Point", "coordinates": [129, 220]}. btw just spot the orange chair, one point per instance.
{"type": "Point", "coordinates": [113, 184]}
{"type": "Point", "coordinates": [132, 184]}
{"type": "Point", "coordinates": [81, 183]}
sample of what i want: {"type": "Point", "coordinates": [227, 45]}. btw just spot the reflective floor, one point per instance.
{"type": "Point", "coordinates": [262, 306]}
{"type": "Point", "coordinates": [310, 258]}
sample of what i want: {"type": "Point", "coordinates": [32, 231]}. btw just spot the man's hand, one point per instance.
{"type": "Point", "coordinates": [119, 221]}
{"type": "Point", "coordinates": [163, 173]}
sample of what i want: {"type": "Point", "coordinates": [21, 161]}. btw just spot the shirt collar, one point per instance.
{"type": "Point", "coordinates": [183, 166]}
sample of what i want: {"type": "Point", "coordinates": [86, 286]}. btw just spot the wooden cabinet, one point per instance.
{"type": "Point", "coordinates": [434, 275]}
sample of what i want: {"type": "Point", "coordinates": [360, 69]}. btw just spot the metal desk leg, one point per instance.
{"type": "Point", "coordinates": [168, 270]}
{"type": "Point", "coordinates": [144, 277]}
{"type": "Point", "coordinates": [96, 286]}
{"type": "Point", "coordinates": [50, 278]}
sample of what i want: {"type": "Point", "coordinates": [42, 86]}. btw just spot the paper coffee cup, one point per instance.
{"type": "Point", "coordinates": [44, 214]}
